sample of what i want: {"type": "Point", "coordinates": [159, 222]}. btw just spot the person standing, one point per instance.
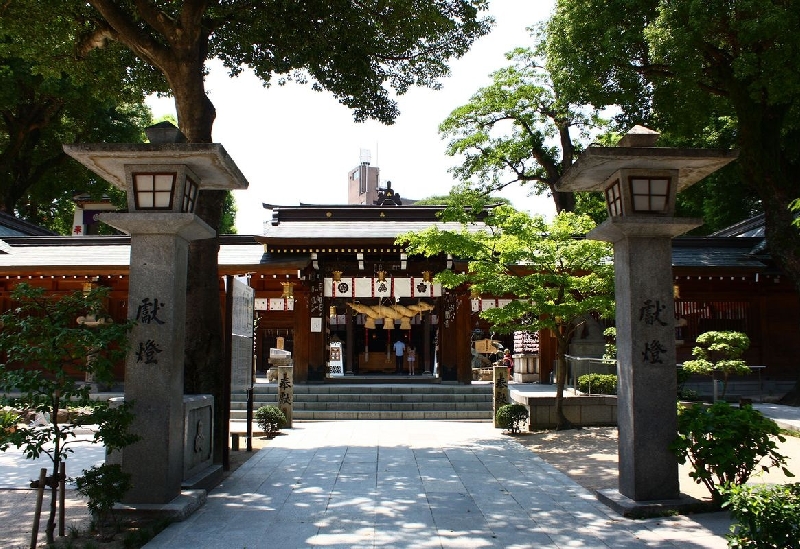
{"type": "Point", "coordinates": [411, 357]}
{"type": "Point", "coordinates": [508, 362]}
{"type": "Point", "coordinates": [399, 351]}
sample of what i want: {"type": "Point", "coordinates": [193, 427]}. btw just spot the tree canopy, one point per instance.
{"type": "Point", "coordinates": [554, 276]}
{"type": "Point", "coordinates": [689, 68]}
{"type": "Point", "coordinates": [38, 114]}
{"type": "Point", "coordinates": [520, 124]}
{"type": "Point", "coordinates": [360, 52]}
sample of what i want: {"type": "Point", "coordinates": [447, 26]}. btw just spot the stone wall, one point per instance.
{"type": "Point", "coordinates": [583, 411]}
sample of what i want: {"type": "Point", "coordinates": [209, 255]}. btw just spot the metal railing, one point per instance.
{"type": "Point", "coordinates": [578, 366]}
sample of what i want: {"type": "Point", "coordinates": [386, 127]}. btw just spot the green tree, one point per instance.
{"type": "Point", "coordinates": [38, 114]}
{"type": "Point", "coordinates": [554, 275]}
{"type": "Point", "coordinates": [719, 352]}
{"type": "Point", "coordinates": [359, 52]}
{"type": "Point", "coordinates": [519, 124]}
{"type": "Point", "coordinates": [41, 339]}
{"type": "Point", "coordinates": [686, 67]}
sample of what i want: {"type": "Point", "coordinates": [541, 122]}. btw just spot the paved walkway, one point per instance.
{"type": "Point", "coordinates": [426, 484]}
{"type": "Point", "coordinates": [396, 484]}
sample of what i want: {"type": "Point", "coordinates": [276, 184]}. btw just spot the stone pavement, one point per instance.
{"type": "Point", "coordinates": [391, 484]}
{"type": "Point", "coordinates": [359, 484]}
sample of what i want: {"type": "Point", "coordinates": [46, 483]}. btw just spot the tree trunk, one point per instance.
{"type": "Point", "coordinates": [774, 176]}
{"type": "Point", "coordinates": [561, 380]}
{"type": "Point", "coordinates": [203, 365]}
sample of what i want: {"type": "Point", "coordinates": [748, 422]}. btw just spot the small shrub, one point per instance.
{"type": "Point", "coordinates": [719, 352]}
{"type": "Point", "coordinates": [689, 395]}
{"type": "Point", "coordinates": [271, 419]}
{"type": "Point", "coordinates": [765, 516]}
{"type": "Point", "coordinates": [104, 485]}
{"type": "Point", "coordinates": [724, 444]}
{"type": "Point", "coordinates": [511, 417]}
{"type": "Point", "coordinates": [598, 384]}
{"type": "Point", "coordinates": [8, 420]}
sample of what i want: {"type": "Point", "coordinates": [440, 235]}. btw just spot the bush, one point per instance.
{"type": "Point", "coordinates": [8, 420]}
{"type": "Point", "coordinates": [104, 485]}
{"type": "Point", "coordinates": [719, 352]}
{"type": "Point", "coordinates": [765, 516]}
{"type": "Point", "coordinates": [724, 444]}
{"type": "Point", "coordinates": [598, 384]}
{"type": "Point", "coordinates": [271, 419]}
{"type": "Point", "coordinates": [511, 416]}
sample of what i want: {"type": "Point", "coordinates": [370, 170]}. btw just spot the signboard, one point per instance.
{"type": "Point", "coordinates": [336, 365]}
{"type": "Point", "coordinates": [242, 335]}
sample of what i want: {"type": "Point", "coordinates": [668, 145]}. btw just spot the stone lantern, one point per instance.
{"type": "Point", "coordinates": [162, 180]}
{"type": "Point", "coordinates": [640, 182]}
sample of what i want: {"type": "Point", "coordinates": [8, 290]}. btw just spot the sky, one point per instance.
{"type": "Point", "coordinates": [295, 145]}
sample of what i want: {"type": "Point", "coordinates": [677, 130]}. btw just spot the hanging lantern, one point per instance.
{"type": "Point", "coordinates": [382, 275]}
{"type": "Point", "coordinates": [332, 312]}
{"type": "Point", "coordinates": [337, 276]}
{"type": "Point", "coordinates": [288, 289]}
{"type": "Point", "coordinates": [426, 276]}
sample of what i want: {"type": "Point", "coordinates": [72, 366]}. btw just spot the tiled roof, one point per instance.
{"type": "Point", "coordinates": [752, 227]}
{"type": "Point", "coordinates": [13, 226]}
{"type": "Point", "coordinates": [716, 252]}
{"type": "Point", "coordinates": [348, 230]}
{"type": "Point", "coordinates": [39, 253]}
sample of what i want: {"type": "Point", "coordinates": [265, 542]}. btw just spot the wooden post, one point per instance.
{"type": "Point", "coordinates": [38, 513]}
{"type": "Point", "coordinates": [62, 486]}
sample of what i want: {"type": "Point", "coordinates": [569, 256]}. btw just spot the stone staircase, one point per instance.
{"type": "Point", "coordinates": [375, 401]}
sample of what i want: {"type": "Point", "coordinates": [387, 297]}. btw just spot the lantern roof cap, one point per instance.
{"type": "Point", "coordinates": [209, 161]}
{"type": "Point", "coordinates": [636, 150]}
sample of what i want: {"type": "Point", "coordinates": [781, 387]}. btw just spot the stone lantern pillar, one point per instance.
{"type": "Point", "coordinates": [640, 182]}
{"type": "Point", "coordinates": [162, 180]}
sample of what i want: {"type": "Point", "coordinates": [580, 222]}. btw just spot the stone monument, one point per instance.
{"type": "Point", "coordinates": [162, 180]}
{"type": "Point", "coordinates": [640, 182]}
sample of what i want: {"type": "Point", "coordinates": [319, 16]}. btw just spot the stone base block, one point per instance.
{"type": "Point", "coordinates": [584, 411]}
{"type": "Point", "coordinates": [206, 479]}
{"type": "Point", "coordinates": [179, 509]}
{"type": "Point", "coordinates": [526, 378]}
{"type": "Point", "coordinates": [643, 509]}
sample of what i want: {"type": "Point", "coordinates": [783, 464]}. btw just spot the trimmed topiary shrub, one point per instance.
{"type": "Point", "coordinates": [271, 419]}
{"type": "Point", "coordinates": [766, 516]}
{"type": "Point", "coordinates": [511, 416]}
{"type": "Point", "coordinates": [725, 444]}
{"type": "Point", "coordinates": [598, 384]}
{"type": "Point", "coordinates": [719, 353]}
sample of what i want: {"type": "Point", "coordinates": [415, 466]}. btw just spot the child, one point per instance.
{"type": "Point", "coordinates": [411, 357]}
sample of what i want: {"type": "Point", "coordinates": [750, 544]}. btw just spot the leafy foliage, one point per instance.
{"type": "Point", "coordinates": [39, 114]}
{"type": "Point", "coordinates": [40, 341]}
{"type": "Point", "coordinates": [9, 419]}
{"type": "Point", "coordinates": [765, 516]}
{"type": "Point", "coordinates": [719, 352]}
{"type": "Point", "coordinates": [104, 486]}
{"type": "Point", "coordinates": [511, 417]}
{"type": "Point", "coordinates": [725, 444]}
{"type": "Point", "coordinates": [598, 384]}
{"type": "Point", "coordinates": [713, 71]}
{"type": "Point", "coordinates": [518, 124]}
{"type": "Point", "coordinates": [271, 419]}
{"type": "Point", "coordinates": [554, 275]}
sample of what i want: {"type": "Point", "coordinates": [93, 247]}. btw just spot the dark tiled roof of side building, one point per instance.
{"type": "Point", "coordinates": [13, 226]}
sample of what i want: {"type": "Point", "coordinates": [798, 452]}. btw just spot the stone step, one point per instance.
{"type": "Point", "coordinates": [341, 402]}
